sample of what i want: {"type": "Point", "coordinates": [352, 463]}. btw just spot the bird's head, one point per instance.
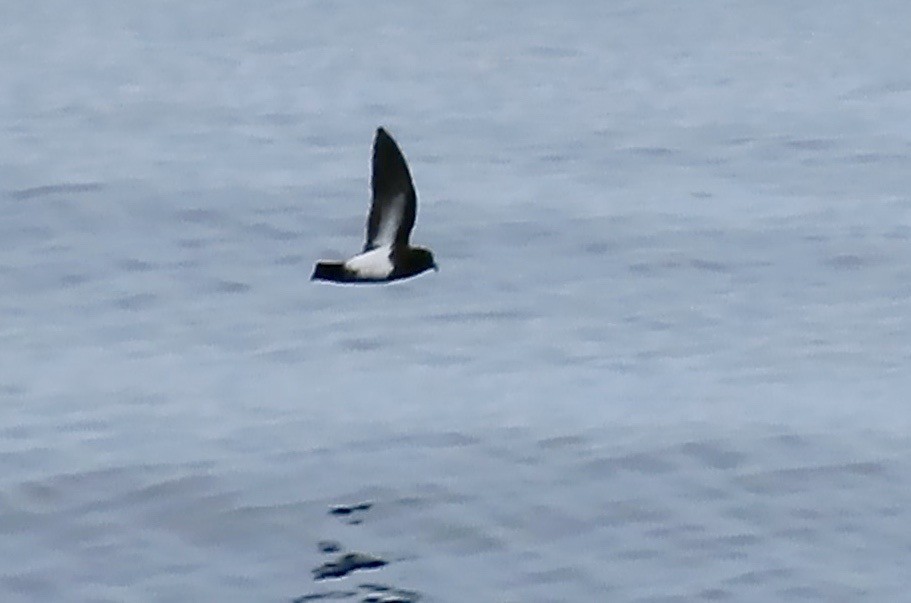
{"type": "Point", "coordinates": [423, 259]}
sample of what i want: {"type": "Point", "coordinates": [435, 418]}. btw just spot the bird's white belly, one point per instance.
{"type": "Point", "coordinates": [374, 264]}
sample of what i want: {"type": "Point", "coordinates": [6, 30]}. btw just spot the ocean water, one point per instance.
{"type": "Point", "coordinates": [665, 357]}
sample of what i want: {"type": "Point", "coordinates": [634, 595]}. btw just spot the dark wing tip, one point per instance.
{"type": "Point", "coordinates": [382, 136]}
{"type": "Point", "coordinates": [384, 143]}
{"type": "Point", "coordinates": [390, 171]}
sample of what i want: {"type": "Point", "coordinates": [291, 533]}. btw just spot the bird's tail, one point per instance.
{"type": "Point", "coordinates": [329, 271]}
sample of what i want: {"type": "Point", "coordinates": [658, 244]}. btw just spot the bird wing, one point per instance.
{"type": "Point", "coordinates": [394, 204]}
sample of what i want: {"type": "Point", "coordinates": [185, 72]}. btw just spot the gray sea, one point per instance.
{"type": "Point", "coordinates": [665, 359]}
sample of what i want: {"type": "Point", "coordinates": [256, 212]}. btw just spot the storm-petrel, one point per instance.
{"type": "Point", "coordinates": [387, 255]}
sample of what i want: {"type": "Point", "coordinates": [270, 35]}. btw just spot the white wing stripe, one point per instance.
{"type": "Point", "coordinates": [393, 209]}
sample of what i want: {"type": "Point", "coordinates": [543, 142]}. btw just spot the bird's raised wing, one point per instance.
{"type": "Point", "coordinates": [394, 203]}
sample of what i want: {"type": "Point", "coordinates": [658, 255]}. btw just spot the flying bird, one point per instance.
{"type": "Point", "coordinates": [387, 255]}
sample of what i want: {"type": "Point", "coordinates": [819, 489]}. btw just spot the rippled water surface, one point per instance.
{"type": "Point", "coordinates": [665, 357]}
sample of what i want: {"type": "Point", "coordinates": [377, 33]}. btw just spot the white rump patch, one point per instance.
{"type": "Point", "coordinates": [372, 265]}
